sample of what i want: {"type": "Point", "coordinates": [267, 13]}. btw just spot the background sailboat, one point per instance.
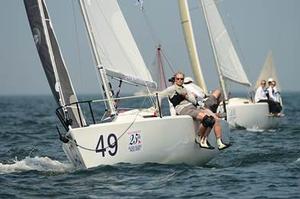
{"type": "Point", "coordinates": [240, 112]}
{"type": "Point", "coordinates": [269, 71]}
{"type": "Point", "coordinates": [132, 136]}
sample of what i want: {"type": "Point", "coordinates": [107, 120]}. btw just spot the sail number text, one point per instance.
{"type": "Point", "coordinates": [109, 145]}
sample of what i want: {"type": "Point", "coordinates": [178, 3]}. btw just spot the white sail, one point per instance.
{"type": "Point", "coordinates": [227, 58]}
{"type": "Point", "coordinates": [114, 42]}
{"type": "Point", "coordinates": [268, 71]}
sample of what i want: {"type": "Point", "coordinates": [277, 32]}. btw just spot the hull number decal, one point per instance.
{"type": "Point", "coordinates": [108, 146]}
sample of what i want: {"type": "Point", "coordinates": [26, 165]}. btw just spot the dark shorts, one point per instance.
{"type": "Point", "coordinates": [274, 107]}
{"type": "Point", "coordinates": [211, 103]}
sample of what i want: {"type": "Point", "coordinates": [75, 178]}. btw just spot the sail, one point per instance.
{"type": "Point", "coordinates": [268, 71]}
{"type": "Point", "coordinates": [114, 43]}
{"type": "Point", "coordinates": [50, 56]}
{"type": "Point", "coordinates": [227, 58]}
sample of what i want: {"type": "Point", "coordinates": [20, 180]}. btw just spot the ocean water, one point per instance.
{"type": "Point", "coordinates": [33, 164]}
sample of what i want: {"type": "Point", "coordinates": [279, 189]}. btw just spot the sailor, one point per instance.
{"type": "Point", "coordinates": [273, 96]}
{"type": "Point", "coordinates": [266, 95]}
{"type": "Point", "coordinates": [185, 103]}
{"type": "Point", "coordinates": [211, 101]}
{"type": "Point", "coordinates": [261, 92]}
{"type": "Point", "coordinates": [271, 90]}
{"type": "Point", "coordinates": [276, 92]}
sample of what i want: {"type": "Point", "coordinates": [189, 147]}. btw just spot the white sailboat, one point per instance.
{"type": "Point", "coordinates": [241, 112]}
{"type": "Point", "coordinates": [131, 136]}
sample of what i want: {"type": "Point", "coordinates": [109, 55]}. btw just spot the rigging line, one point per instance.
{"type": "Point", "coordinates": [168, 62]}
{"type": "Point", "coordinates": [151, 98]}
{"type": "Point", "coordinates": [150, 27]}
{"type": "Point", "coordinates": [88, 149]}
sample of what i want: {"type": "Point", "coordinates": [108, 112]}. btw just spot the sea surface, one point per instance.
{"type": "Point", "coordinates": [33, 165]}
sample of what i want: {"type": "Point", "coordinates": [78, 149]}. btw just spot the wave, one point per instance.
{"type": "Point", "coordinates": [255, 129]}
{"type": "Point", "coordinates": [35, 164]}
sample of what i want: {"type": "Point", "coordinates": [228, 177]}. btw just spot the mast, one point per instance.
{"type": "Point", "coordinates": [162, 77]}
{"type": "Point", "coordinates": [190, 43]}
{"type": "Point", "coordinates": [100, 68]}
{"type": "Point", "coordinates": [221, 79]}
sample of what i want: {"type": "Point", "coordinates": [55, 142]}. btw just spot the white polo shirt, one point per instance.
{"type": "Point", "coordinates": [260, 94]}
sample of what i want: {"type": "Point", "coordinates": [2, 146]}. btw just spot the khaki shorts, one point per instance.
{"type": "Point", "coordinates": [211, 103]}
{"type": "Point", "coordinates": [193, 111]}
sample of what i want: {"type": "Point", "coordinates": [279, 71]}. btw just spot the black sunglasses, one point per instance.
{"type": "Point", "coordinates": [179, 78]}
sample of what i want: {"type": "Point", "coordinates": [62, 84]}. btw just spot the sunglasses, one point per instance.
{"type": "Point", "coordinates": [179, 78]}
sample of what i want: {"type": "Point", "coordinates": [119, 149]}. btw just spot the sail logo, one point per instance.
{"type": "Point", "coordinates": [37, 36]}
{"type": "Point", "coordinates": [135, 141]}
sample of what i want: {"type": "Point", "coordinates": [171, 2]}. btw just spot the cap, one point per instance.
{"type": "Point", "coordinates": [188, 80]}
{"type": "Point", "coordinates": [270, 79]}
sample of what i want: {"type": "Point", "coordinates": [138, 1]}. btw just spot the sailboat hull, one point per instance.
{"type": "Point", "coordinates": [167, 140]}
{"type": "Point", "coordinates": [242, 113]}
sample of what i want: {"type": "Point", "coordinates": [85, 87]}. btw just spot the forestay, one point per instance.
{"type": "Point", "coordinates": [114, 42]}
{"type": "Point", "coordinates": [52, 61]}
{"type": "Point", "coordinates": [268, 71]}
{"type": "Point", "coordinates": [228, 61]}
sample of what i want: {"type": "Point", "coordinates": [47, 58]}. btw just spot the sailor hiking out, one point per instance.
{"type": "Point", "coordinates": [185, 103]}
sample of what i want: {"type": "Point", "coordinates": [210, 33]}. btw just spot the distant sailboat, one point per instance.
{"type": "Point", "coordinates": [269, 71]}
{"type": "Point", "coordinates": [130, 136]}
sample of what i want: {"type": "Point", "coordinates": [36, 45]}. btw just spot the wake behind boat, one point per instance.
{"type": "Point", "coordinates": [107, 134]}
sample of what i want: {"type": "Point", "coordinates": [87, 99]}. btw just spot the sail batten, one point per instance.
{"type": "Point", "coordinates": [113, 42]}
{"type": "Point", "coordinates": [51, 58]}
{"type": "Point", "coordinates": [227, 59]}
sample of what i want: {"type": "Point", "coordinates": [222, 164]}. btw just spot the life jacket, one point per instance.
{"type": "Point", "coordinates": [176, 99]}
{"type": "Point", "coordinates": [267, 93]}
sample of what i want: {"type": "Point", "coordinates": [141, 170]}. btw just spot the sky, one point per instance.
{"type": "Point", "coordinates": [255, 26]}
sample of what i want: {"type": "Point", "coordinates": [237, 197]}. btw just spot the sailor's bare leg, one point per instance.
{"type": "Point", "coordinates": [203, 132]}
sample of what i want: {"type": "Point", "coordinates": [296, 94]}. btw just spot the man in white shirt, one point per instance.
{"type": "Point", "coordinates": [271, 89]}
{"type": "Point", "coordinates": [211, 101]}
{"type": "Point", "coordinates": [273, 96]}
{"type": "Point", "coordinates": [260, 94]}
{"type": "Point", "coordinates": [276, 92]}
